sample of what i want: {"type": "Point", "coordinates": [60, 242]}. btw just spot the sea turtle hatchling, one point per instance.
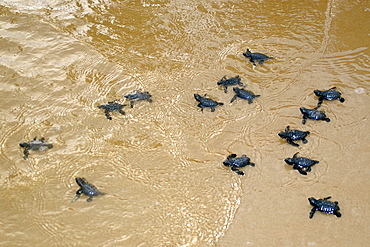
{"type": "Point", "coordinates": [235, 163]}
{"type": "Point", "coordinates": [86, 189]}
{"type": "Point", "coordinates": [331, 94]}
{"type": "Point", "coordinates": [294, 135]}
{"type": "Point", "coordinates": [206, 102]}
{"type": "Point", "coordinates": [253, 57]}
{"type": "Point", "coordinates": [244, 94]}
{"type": "Point", "coordinates": [302, 164]}
{"type": "Point", "coordinates": [138, 95]}
{"type": "Point", "coordinates": [224, 82]}
{"type": "Point", "coordinates": [313, 114]}
{"type": "Point", "coordinates": [325, 206]}
{"type": "Point", "coordinates": [35, 144]}
{"type": "Point", "coordinates": [112, 106]}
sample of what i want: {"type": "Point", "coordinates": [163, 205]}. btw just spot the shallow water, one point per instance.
{"type": "Point", "coordinates": [160, 164]}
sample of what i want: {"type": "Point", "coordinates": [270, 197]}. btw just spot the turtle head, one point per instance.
{"type": "Point", "coordinates": [289, 161]}
{"type": "Point", "coordinates": [197, 96]}
{"type": "Point", "coordinates": [228, 163]}
{"type": "Point", "coordinates": [312, 201]}
{"type": "Point", "coordinates": [24, 145]}
{"type": "Point", "coordinates": [317, 92]}
{"type": "Point", "coordinates": [283, 134]}
{"type": "Point", "coordinates": [221, 82]}
{"type": "Point", "coordinates": [247, 53]}
{"type": "Point", "coordinates": [303, 110]}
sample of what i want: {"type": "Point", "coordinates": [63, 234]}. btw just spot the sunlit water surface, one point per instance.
{"type": "Point", "coordinates": [160, 164]}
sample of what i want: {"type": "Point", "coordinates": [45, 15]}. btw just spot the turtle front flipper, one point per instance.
{"type": "Point", "coordinates": [234, 98]}
{"type": "Point", "coordinates": [107, 114]}
{"type": "Point", "coordinates": [292, 143]}
{"type": "Point", "coordinates": [319, 103]}
{"type": "Point", "coordinates": [237, 171]}
{"type": "Point", "coordinates": [313, 210]}
{"type": "Point", "coordinates": [304, 119]}
{"type": "Point", "coordinates": [301, 171]}
{"type": "Point", "coordinates": [201, 107]}
{"type": "Point", "coordinates": [231, 156]}
{"type": "Point", "coordinates": [26, 153]}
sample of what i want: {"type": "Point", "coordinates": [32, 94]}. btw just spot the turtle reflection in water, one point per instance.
{"type": "Point", "coordinates": [87, 189]}
{"type": "Point", "coordinates": [35, 144]}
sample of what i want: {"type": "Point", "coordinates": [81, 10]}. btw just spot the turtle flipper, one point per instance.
{"type": "Point", "coordinates": [313, 210]}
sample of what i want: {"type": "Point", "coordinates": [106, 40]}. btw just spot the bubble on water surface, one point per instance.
{"type": "Point", "coordinates": [359, 90]}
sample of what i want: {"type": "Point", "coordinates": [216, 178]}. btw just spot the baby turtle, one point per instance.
{"type": "Point", "coordinates": [112, 107]}
{"type": "Point", "coordinates": [206, 102]}
{"type": "Point", "coordinates": [244, 94]}
{"type": "Point", "coordinates": [229, 82]}
{"type": "Point", "coordinates": [313, 114]}
{"type": "Point", "coordinates": [331, 94]}
{"type": "Point", "coordinates": [294, 135]}
{"type": "Point", "coordinates": [137, 95]}
{"type": "Point", "coordinates": [35, 144]}
{"type": "Point", "coordinates": [86, 189]}
{"type": "Point", "coordinates": [235, 163]}
{"type": "Point", "coordinates": [253, 57]}
{"type": "Point", "coordinates": [303, 165]}
{"type": "Point", "coordinates": [325, 206]}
